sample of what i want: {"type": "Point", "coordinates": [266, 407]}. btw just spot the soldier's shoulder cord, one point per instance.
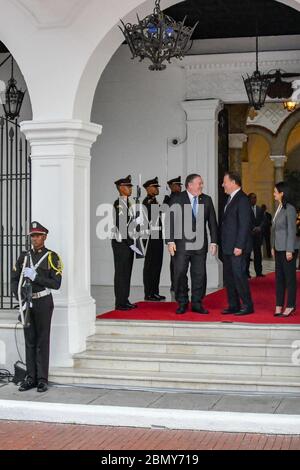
{"type": "Point", "coordinates": [59, 267]}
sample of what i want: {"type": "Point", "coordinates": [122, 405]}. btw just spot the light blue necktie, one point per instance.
{"type": "Point", "coordinates": [195, 206]}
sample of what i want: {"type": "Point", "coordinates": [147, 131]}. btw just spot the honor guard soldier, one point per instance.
{"type": "Point", "coordinates": [175, 188]}
{"type": "Point", "coordinates": [44, 270]}
{"type": "Point", "coordinates": [153, 245]}
{"type": "Point", "coordinates": [123, 245]}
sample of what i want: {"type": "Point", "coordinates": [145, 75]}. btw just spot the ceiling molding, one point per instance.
{"type": "Point", "coordinates": [219, 76]}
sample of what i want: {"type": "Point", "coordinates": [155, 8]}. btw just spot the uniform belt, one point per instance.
{"type": "Point", "coordinates": [43, 293]}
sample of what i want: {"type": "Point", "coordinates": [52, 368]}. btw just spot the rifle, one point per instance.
{"type": "Point", "coordinates": [24, 288]}
{"type": "Point", "coordinates": [138, 246]}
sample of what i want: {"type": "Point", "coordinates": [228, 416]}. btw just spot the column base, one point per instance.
{"type": "Point", "coordinates": [72, 323]}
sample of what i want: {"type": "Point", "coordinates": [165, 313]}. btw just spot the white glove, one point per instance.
{"type": "Point", "coordinates": [30, 273]}
{"type": "Point", "coordinates": [139, 220]}
{"type": "Point", "coordinates": [136, 250]}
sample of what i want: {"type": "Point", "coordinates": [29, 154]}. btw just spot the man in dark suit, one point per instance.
{"type": "Point", "coordinates": [236, 245]}
{"type": "Point", "coordinates": [267, 230]}
{"type": "Point", "coordinates": [191, 212]}
{"type": "Point", "coordinates": [175, 188]}
{"type": "Point", "coordinates": [258, 224]}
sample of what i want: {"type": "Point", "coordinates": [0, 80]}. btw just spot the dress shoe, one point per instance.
{"type": "Point", "coordinates": [123, 308]}
{"type": "Point", "coordinates": [27, 384]}
{"type": "Point", "coordinates": [42, 386]}
{"type": "Point", "coordinates": [159, 297]}
{"type": "Point", "coordinates": [153, 298]}
{"type": "Point", "coordinates": [245, 311]}
{"type": "Point", "coordinates": [229, 310]}
{"type": "Point", "coordinates": [130, 305]}
{"type": "Point", "coordinates": [182, 308]}
{"type": "Point", "coordinates": [198, 308]}
{"type": "Point", "coordinates": [285, 315]}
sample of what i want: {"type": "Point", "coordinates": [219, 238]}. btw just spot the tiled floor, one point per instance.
{"type": "Point", "coordinates": [180, 400]}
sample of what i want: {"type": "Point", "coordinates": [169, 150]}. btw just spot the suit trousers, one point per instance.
{"type": "Point", "coordinates": [172, 272]}
{"type": "Point", "coordinates": [236, 281]}
{"type": "Point", "coordinates": [286, 280]}
{"type": "Point", "coordinates": [37, 338]}
{"type": "Point", "coordinates": [123, 261]}
{"type": "Point", "coordinates": [197, 262]}
{"type": "Point", "coordinates": [257, 256]}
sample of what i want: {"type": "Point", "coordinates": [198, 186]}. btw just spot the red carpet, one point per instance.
{"type": "Point", "coordinates": [263, 292]}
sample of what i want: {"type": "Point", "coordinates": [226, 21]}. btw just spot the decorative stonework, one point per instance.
{"type": "Point", "coordinates": [271, 117]}
{"type": "Point", "coordinates": [219, 76]}
{"type": "Point", "coordinates": [236, 141]}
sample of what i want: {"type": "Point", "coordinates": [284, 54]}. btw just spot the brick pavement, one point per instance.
{"type": "Point", "coordinates": [42, 436]}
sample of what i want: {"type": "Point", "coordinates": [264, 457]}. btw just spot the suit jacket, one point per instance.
{"type": "Point", "coordinates": [177, 221]}
{"type": "Point", "coordinates": [283, 235]}
{"type": "Point", "coordinates": [258, 220]}
{"type": "Point", "coordinates": [237, 225]}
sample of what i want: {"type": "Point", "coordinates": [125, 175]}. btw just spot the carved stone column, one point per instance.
{"type": "Point", "coordinates": [236, 142]}
{"type": "Point", "coordinates": [202, 158]}
{"type": "Point", "coordinates": [279, 162]}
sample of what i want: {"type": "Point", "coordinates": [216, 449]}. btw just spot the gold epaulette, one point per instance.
{"type": "Point", "coordinates": [59, 268]}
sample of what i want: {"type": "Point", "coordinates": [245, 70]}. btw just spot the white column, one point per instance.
{"type": "Point", "coordinates": [202, 158]}
{"type": "Point", "coordinates": [60, 155]}
{"type": "Point", "coordinates": [279, 162]}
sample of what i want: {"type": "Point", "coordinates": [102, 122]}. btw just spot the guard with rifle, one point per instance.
{"type": "Point", "coordinates": [153, 244]}
{"type": "Point", "coordinates": [36, 272]}
{"type": "Point", "coordinates": [124, 244]}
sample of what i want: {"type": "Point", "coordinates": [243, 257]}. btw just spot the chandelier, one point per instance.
{"type": "Point", "coordinates": [257, 86]}
{"type": "Point", "coordinates": [13, 96]}
{"type": "Point", "coordinates": [158, 37]}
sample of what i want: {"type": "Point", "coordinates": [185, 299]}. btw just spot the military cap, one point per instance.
{"type": "Point", "coordinates": [175, 181]}
{"type": "Point", "coordinates": [153, 182]}
{"type": "Point", "coordinates": [124, 181]}
{"type": "Point", "coordinates": [36, 227]}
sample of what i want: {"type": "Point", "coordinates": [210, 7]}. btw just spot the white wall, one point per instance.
{"type": "Point", "coordinates": [140, 111]}
{"type": "Point", "coordinates": [5, 74]}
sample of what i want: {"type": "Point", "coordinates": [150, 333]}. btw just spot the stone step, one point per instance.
{"type": "Point", "coordinates": [194, 364]}
{"type": "Point", "coordinates": [207, 330]}
{"type": "Point", "coordinates": [174, 380]}
{"type": "Point", "coordinates": [190, 345]}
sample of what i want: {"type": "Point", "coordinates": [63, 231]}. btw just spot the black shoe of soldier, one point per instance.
{"type": "Point", "coordinates": [159, 297]}
{"type": "Point", "coordinates": [130, 305]}
{"type": "Point", "coordinates": [27, 384]}
{"type": "Point", "coordinates": [42, 386]}
{"type": "Point", "coordinates": [123, 308]}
